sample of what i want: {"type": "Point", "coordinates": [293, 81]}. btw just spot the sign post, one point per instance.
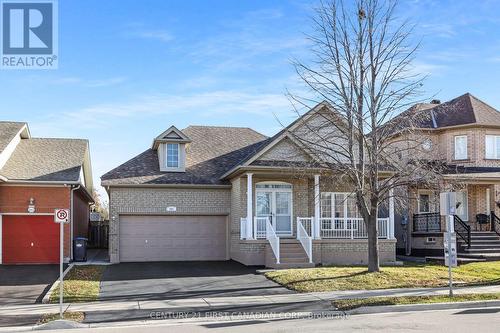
{"type": "Point", "coordinates": [448, 209]}
{"type": "Point", "coordinates": [61, 216]}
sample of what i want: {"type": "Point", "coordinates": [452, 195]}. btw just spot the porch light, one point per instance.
{"type": "Point", "coordinates": [31, 206]}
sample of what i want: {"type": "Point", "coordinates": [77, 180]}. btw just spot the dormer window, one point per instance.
{"type": "Point", "coordinates": [171, 149]}
{"type": "Point", "coordinates": [172, 155]}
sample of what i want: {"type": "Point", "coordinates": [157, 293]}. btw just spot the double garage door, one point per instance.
{"type": "Point", "coordinates": [173, 238]}
{"type": "Point", "coordinates": [29, 240]}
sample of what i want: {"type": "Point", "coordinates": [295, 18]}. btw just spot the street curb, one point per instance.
{"type": "Point", "coordinates": [424, 307]}
{"type": "Point", "coordinates": [46, 297]}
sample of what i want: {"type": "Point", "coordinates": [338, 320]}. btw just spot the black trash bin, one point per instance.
{"type": "Point", "coordinates": [80, 249]}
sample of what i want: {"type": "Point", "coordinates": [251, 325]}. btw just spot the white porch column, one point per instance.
{"type": "Point", "coordinates": [488, 208]}
{"type": "Point", "coordinates": [390, 225]}
{"type": "Point", "coordinates": [317, 231]}
{"type": "Point", "coordinates": [249, 224]}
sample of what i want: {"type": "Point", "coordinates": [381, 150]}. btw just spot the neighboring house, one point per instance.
{"type": "Point", "coordinates": [464, 136]}
{"type": "Point", "coordinates": [38, 175]}
{"type": "Point", "coordinates": [219, 193]}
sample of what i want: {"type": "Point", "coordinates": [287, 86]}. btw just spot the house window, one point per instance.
{"type": "Point", "coordinates": [461, 147]}
{"type": "Point", "coordinates": [424, 202]}
{"type": "Point", "coordinates": [492, 144]}
{"type": "Point", "coordinates": [172, 155]}
{"type": "Point", "coordinates": [339, 207]}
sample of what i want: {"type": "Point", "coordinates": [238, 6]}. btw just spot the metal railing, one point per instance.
{"type": "Point", "coordinates": [495, 223]}
{"type": "Point", "coordinates": [304, 238]}
{"type": "Point", "coordinates": [463, 230]}
{"type": "Point", "coordinates": [427, 222]}
{"type": "Point", "coordinates": [273, 239]}
{"type": "Point", "coordinates": [350, 228]}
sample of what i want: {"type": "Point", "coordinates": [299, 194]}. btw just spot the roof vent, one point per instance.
{"type": "Point", "coordinates": [436, 101]}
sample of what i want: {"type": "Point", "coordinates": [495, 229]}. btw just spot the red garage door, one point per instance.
{"type": "Point", "coordinates": [30, 240]}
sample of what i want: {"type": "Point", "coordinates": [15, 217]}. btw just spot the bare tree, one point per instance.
{"type": "Point", "coordinates": [362, 68]}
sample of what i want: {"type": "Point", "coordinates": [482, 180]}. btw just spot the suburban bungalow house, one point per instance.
{"type": "Point", "coordinates": [37, 176]}
{"type": "Point", "coordinates": [463, 135]}
{"type": "Point", "coordinates": [220, 193]}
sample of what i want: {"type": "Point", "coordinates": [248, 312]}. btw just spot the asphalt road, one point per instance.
{"type": "Point", "coordinates": [469, 320]}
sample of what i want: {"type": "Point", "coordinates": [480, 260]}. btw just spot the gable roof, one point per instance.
{"type": "Point", "coordinates": [46, 160]}
{"type": "Point", "coordinates": [172, 134]}
{"type": "Point", "coordinates": [212, 151]}
{"type": "Point", "coordinates": [462, 110]}
{"type": "Point", "coordinates": [8, 130]}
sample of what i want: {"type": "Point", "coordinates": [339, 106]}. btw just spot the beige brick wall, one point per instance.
{"type": "Point", "coordinates": [154, 201]}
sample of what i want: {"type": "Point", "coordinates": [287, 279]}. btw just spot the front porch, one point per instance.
{"type": "Point", "coordinates": [476, 222]}
{"type": "Point", "coordinates": [310, 219]}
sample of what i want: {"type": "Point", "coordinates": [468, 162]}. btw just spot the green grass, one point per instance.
{"type": "Point", "coordinates": [74, 316]}
{"type": "Point", "coordinates": [407, 276]}
{"type": "Point", "coordinates": [349, 304]}
{"type": "Point", "coordinates": [81, 284]}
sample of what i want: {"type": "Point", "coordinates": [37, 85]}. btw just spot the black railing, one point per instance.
{"type": "Point", "coordinates": [427, 222]}
{"type": "Point", "coordinates": [495, 223]}
{"type": "Point", "coordinates": [462, 229]}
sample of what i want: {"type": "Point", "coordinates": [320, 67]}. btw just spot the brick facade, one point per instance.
{"type": "Point", "coordinates": [15, 199]}
{"type": "Point", "coordinates": [154, 201]}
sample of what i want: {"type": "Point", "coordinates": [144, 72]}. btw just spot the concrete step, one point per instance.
{"type": "Point", "coordinates": [485, 256]}
{"type": "Point", "coordinates": [294, 260]}
{"type": "Point", "coordinates": [292, 265]}
{"type": "Point", "coordinates": [482, 250]}
{"type": "Point", "coordinates": [484, 245]}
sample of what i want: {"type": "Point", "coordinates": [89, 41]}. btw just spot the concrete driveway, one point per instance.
{"type": "Point", "coordinates": [177, 280]}
{"type": "Point", "coordinates": [25, 284]}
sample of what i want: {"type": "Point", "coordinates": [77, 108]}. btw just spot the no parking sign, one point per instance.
{"type": "Point", "coordinates": [61, 216]}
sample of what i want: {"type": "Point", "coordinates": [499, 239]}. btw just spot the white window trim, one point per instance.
{"type": "Point", "coordinates": [332, 204]}
{"type": "Point", "coordinates": [428, 192]}
{"type": "Point", "coordinates": [460, 158]}
{"type": "Point", "coordinates": [494, 155]}
{"type": "Point", "coordinates": [466, 218]}
{"type": "Point", "coordinates": [273, 195]}
{"type": "Point", "coordinates": [178, 156]}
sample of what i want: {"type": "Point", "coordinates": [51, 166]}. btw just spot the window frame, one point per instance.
{"type": "Point", "coordinates": [495, 154]}
{"type": "Point", "coordinates": [419, 208]}
{"type": "Point", "coordinates": [460, 158]}
{"type": "Point", "coordinates": [167, 154]}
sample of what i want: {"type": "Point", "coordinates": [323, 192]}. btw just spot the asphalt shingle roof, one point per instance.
{"type": "Point", "coordinates": [213, 151]}
{"type": "Point", "coordinates": [8, 130]}
{"type": "Point", "coordinates": [40, 159]}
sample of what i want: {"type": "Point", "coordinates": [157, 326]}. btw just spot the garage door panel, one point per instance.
{"type": "Point", "coordinates": [172, 238]}
{"type": "Point", "coordinates": [30, 240]}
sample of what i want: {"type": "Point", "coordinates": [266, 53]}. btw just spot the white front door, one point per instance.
{"type": "Point", "coordinates": [275, 201]}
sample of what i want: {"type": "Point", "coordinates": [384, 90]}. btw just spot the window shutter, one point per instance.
{"type": "Point", "coordinates": [490, 146]}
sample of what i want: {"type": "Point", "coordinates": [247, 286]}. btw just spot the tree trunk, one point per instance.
{"type": "Point", "coordinates": [373, 259]}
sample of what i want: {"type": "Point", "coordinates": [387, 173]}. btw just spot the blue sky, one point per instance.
{"type": "Point", "coordinates": [130, 69]}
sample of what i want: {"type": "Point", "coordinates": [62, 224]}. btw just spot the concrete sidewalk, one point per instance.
{"type": "Point", "coordinates": [218, 303]}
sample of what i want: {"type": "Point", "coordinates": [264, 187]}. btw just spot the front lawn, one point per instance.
{"type": "Point", "coordinates": [81, 284]}
{"type": "Point", "coordinates": [349, 304]}
{"type": "Point", "coordinates": [407, 276]}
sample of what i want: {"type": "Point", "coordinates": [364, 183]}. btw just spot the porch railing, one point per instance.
{"type": "Point", "coordinates": [307, 223]}
{"type": "Point", "coordinates": [495, 223]}
{"type": "Point", "coordinates": [304, 238]}
{"type": "Point", "coordinates": [350, 228]}
{"type": "Point", "coordinates": [427, 222]}
{"type": "Point", "coordinates": [259, 227]}
{"type": "Point", "coordinates": [463, 230]}
{"type": "Point", "coordinates": [273, 239]}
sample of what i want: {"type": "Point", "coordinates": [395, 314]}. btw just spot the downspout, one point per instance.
{"type": "Point", "coordinates": [71, 221]}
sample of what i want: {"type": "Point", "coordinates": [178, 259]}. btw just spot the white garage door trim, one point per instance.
{"type": "Point", "coordinates": [173, 238]}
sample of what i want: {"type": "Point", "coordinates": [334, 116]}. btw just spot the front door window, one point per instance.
{"type": "Point", "coordinates": [275, 201]}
